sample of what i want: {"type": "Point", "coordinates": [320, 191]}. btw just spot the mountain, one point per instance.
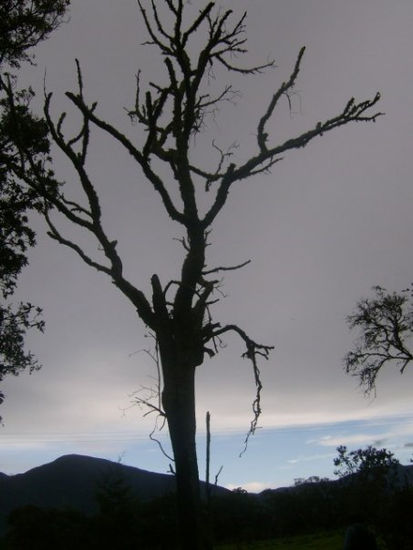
{"type": "Point", "coordinates": [72, 481]}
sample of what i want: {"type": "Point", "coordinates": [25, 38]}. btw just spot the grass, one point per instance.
{"type": "Point", "coordinates": [328, 540]}
{"type": "Point", "coordinates": [318, 541]}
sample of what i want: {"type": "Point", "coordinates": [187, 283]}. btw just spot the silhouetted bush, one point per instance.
{"type": "Point", "coordinates": [33, 528]}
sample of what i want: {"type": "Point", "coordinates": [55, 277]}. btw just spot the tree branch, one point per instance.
{"type": "Point", "coordinates": [283, 89]}
{"type": "Point", "coordinates": [231, 268]}
{"type": "Point", "coordinates": [137, 155]}
{"type": "Point", "coordinates": [353, 112]}
{"type": "Point", "coordinates": [252, 352]}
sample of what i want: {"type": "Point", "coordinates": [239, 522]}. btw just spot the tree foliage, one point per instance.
{"type": "Point", "coordinates": [375, 489]}
{"type": "Point", "coordinates": [23, 24]}
{"type": "Point", "coordinates": [14, 322]}
{"type": "Point", "coordinates": [386, 325]}
{"type": "Point", "coordinates": [16, 236]}
{"type": "Point", "coordinates": [363, 461]}
{"type": "Point", "coordinates": [171, 111]}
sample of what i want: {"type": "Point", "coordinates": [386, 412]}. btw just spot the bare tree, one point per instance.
{"type": "Point", "coordinates": [385, 323]}
{"type": "Point", "coordinates": [179, 312]}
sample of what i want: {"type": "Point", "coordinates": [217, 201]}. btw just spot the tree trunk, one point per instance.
{"type": "Point", "coordinates": [179, 405]}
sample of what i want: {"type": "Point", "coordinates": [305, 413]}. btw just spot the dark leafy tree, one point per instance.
{"type": "Point", "coordinates": [386, 326]}
{"type": "Point", "coordinates": [23, 24]}
{"type": "Point", "coordinates": [368, 462]}
{"type": "Point", "coordinates": [16, 236]}
{"type": "Point", "coordinates": [375, 489]}
{"type": "Point", "coordinates": [369, 475]}
{"type": "Point", "coordinates": [117, 522]}
{"type": "Point", "coordinates": [13, 325]}
{"type": "Point", "coordinates": [172, 112]}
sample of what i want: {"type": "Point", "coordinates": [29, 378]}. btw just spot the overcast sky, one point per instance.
{"type": "Point", "coordinates": [326, 225]}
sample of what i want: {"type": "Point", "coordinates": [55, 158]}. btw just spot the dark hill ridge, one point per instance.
{"type": "Point", "coordinates": [401, 476]}
{"type": "Point", "coordinates": [71, 481]}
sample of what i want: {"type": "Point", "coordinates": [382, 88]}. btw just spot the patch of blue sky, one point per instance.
{"type": "Point", "coordinates": [274, 458]}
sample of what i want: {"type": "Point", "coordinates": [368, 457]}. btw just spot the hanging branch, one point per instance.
{"type": "Point", "coordinates": [253, 351]}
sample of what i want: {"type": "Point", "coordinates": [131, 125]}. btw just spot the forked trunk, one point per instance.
{"type": "Point", "coordinates": [179, 406]}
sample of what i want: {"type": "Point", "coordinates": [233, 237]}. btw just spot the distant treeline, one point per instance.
{"type": "Point", "coordinates": [312, 505]}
